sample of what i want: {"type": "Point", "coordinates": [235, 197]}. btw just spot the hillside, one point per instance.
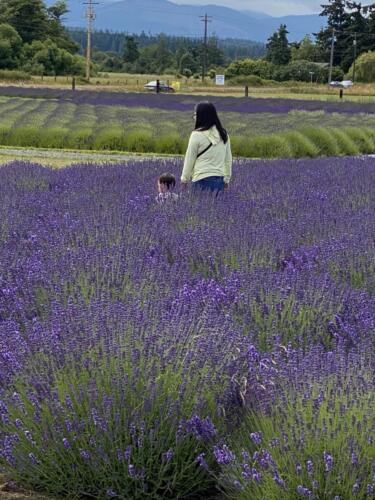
{"type": "Point", "coordinates": [162, 16]}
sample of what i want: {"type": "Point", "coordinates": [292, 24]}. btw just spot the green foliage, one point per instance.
{"type": "Point", "coordinates": [131, 52]}
{"type": "Point", "coordinates": [365, 68]}
{"type": "Point", "coordinates": [322, 140]}
{"type": "Point", "coordinates": [306, 71]}
{"type": "Point", "coordinates": [300, 145]}
{"type": "Point", "coordinates": [48, 59]}
{"type": "Point", "coordinates": [111, 138]}
{"type": "Point", "coordinates": [304, 51]}
{"type": "Point", "coordinates": [272, 146]}
{"type": "Point", "coordinates": [278, 50]}
{"type": "Point", "coordinates": [170, 144]}
{"type": "Point", "coordinates": [53, 137]}
{"type": "Point", "coordinates": [140, 142]}
{"type": "Point", "coordinates": [363, 141]}
{"type": "Point", "coordinates": [10, 47]}
{"type": "Point", "coordinates": [261, 68]}
{"type": "Point", "coordinates": [24, 136]}
{"type": "Point", "coordinates": [14, 75]}
{"type": "Point", "coordinates": [345, 143]}
{"type": "Point", "coordinates": [298, 70]}
{"type": "Point", "coordinates": [33, 38]}
{"type": "Point", "coordinates": [345, 17]}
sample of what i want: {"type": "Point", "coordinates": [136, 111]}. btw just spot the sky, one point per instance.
{"type": "Point", "coordinates": [271, 7]}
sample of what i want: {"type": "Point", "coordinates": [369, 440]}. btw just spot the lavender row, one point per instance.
{"type": "Point", "coordinates": [177, 102]}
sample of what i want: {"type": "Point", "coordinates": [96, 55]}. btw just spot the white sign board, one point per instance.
{"type": "Point", "coordinates": [220, 79]}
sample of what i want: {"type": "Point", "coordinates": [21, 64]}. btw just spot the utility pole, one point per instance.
{"type": "Point", "coordinates": [354, 55]}
{"type": "Point", "coordinates": [205, 19]}
{"type": "Point", "coordinates": [90, 16]}
{"type": "Point", "coordinates": [331, 57]}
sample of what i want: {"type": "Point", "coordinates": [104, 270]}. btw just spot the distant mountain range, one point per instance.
{"type": "Point", "coordinates": [162, 16]}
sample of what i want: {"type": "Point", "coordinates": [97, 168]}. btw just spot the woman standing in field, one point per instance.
{"type": "Point", "coordinates": [208, 159]}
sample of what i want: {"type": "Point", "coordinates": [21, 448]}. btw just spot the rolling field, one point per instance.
{"type": "Point", "coordinates": [204, 348]}
{"type": "Point", "coordinates": [142, 123]}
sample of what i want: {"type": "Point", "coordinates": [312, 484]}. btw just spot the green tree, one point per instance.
{"type": "Point", "coordinates": [10, 47]}
{"type": "Point", "coordinates": [49, 59]}
{"type": "Point", "coordinates": [278, 50]}
{"type": "Point", "coordinates": [365, 68]}
{"type": "Point", "coordinates": [131, 52]}
{"type": "Point", "coordinates": [246, 67]}
{"type": "Point", "coordinates": [305, 51]}
{"type": "Point", "coordinates": [337, 24]}
{"type": "Point", "coordinates": [28, 17]}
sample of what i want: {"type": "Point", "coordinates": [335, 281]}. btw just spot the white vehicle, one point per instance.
{"type": "Point", "coordinates": [163, 86]}
{"type": "Point", "coordinates": [345, 84]}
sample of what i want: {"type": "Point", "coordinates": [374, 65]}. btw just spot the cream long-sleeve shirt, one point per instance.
{"type": "Point", "coordinates": [217, 161]}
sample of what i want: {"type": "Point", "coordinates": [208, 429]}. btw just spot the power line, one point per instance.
{"type": "Point", "coordinates": [90, 16]}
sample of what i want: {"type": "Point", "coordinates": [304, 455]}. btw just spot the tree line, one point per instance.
{"type": "Point", "coordinates": [147, 53]}
{"type": "Point", "coordinates": [349, 34]}
{"type": "Point", "coordinates": [32, 38]}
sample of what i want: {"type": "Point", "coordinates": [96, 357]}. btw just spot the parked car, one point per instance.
{"type": "Point", "coordinates": [344, 84]}
{"type": "Point", "coordinates": [164, 87]}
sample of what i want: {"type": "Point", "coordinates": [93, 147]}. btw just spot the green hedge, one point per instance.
{"type": "Point", "coordinates": [307, 142]}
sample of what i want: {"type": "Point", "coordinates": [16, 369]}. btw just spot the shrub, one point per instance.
{"type": "Point", "coordinates": [272, 146]}
{"type": "Point", "coordinates": [251, 81]}
{"type": "Point", "coordinates": [112, 138]}
{"type": "Point", "coordinates": [53, 138]}
{"type": "Point", "coordinates": [80, 139]}
{"type": "Point", "coordinates": [361, 139]}
{"type": "Point", "coordinates": [169, 144]}
{"type": "Point", "coordinates": [140, 142]}
{"type": "Point", "coordinates": [24, 136]}
{"type": "Point", "coordinates": [4, 132]}
{"type": "Point", "coordinates": [323, 140]}
{"type": "Point", "coordinates": [300, 146]}
{"type": "Point", "coordinates": [14, 75]}
{"type": "Point", "coordinates": [345, 143]}
{"type": "Point", "coordinates": [240, 146]}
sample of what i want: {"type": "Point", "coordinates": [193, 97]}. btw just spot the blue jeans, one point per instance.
{"type": "Point", "coordinates": [213, 184]}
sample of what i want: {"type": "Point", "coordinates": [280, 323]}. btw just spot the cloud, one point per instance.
{"type": "Point", "coordinates": [271, 7]}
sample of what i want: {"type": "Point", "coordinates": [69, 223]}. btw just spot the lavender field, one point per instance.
{"type": "Point", "coordinates": [142, 123]}
{"type": "Point", "coordinates": [204, 348]}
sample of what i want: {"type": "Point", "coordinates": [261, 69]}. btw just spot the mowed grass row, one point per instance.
{"type": "Point", "coordinates": [42, 123]}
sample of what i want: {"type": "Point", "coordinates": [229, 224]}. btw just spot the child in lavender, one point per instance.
{"type": "Point", "coordinates": [166, 184]}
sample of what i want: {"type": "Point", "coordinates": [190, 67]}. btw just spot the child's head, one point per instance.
{"type": "Point", "coordinates": [166, 182]}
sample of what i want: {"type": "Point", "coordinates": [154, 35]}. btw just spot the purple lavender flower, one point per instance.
{"type": "Point", "coordinates": [84, 454]}
{"type": "Point", "coordinates": [328, 461]}
{"type": "Point", "coordinates": [223, 455]}
{"type": "Point", "coordinates": [202, 462]}
{"type": "Point", "coordinates": [66, 443]}
{"type": "Point", "coordinates": [256, 437]}
{"type": "Point", "coordinates": [167, 456]}
{"type": "Point", "coordinates": [310, 467]}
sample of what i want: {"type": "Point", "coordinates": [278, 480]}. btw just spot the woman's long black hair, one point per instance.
{"type": "Point", "coordinates": [206, 117]}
